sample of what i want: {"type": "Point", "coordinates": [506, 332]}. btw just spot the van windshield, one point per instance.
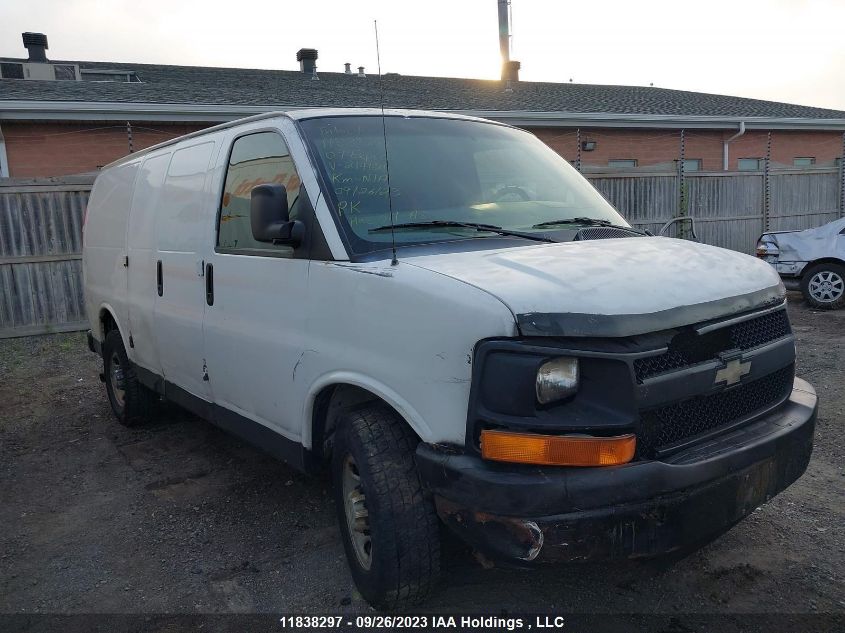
{"type": "Point", "coordinates": [446, 172]}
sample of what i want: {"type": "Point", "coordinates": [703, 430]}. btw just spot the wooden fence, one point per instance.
{"type": "Point", "coordinates": [731, 209]}
{"type": "Point", "coordinates": [41, 256]}
{"type": "Point", "coordinates": [41, 227]}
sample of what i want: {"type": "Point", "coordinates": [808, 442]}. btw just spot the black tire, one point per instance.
{"type": "Point", "coordinates": [137, 404]}
{"type": "Point", "coordinates": [821, 272]}
{"type": "Point", "coordinates": [401, 521]}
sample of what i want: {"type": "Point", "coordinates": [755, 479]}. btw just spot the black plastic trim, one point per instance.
{"type": "Point", "coordinates": [609, 400]}
{"type": "Point", "coordinates": [513, 490]}
{"type": "Point", "coordinates": [209, 283]}
{"type": "Point", "coordinates": [619, 325]}
{"type": "Point", "coordinates": [459, 245]}
{"type": "Point", "coordinates": [93, 344]}
{"type": "Point", "coordinates": [260, 436]}
{"type": "Point", "coordinates": [502, 391]}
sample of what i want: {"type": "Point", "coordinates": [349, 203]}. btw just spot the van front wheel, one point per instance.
{"type": "Point", "coordinates": [389, 526]}
{"type": "Point", "coordinates": [131, 402]}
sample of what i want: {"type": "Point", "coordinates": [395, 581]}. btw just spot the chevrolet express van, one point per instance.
{"type": "Point", "coordinates": [442, 311]}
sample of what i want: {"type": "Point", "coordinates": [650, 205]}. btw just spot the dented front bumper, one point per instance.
{"type": "Point", "coordinates": [546, 514]}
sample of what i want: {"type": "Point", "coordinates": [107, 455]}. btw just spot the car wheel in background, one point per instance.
{"type": "Point", "coordinates": [388, 524]}
{"type": "Point", "coordinates": [823, 286]}
{"type": "Point", "coordinates": [131, 402]}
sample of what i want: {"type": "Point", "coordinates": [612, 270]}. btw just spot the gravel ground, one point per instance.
{"type": "Point", "coordinates": [179, 517]}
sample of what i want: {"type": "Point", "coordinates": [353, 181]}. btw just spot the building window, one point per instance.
{"type": "Point", "coordinates": [120, 76]}
{"type": "Point", "coordinates": [804, 161]}
{"type": "Point", "coordinates": [11, 71]}
{"type": "Point", "coordinates": [750, 164]}
{"type": "Point", "coordinates": [622, 163]}
{"type": "Point", "coordinates": [690, 164]}
{"type": "Point", "coordinates": [64, 72]}
{"type": "Point", "coordinates": [837, 161]}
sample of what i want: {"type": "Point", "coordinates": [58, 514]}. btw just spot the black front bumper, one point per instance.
{"type": "Point", "coordinates": [537, 514]}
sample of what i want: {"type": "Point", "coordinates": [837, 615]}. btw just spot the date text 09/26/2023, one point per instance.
{"type": "Point", "coordinates": [377, 622]}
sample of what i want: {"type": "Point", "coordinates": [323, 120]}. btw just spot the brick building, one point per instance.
{"type": "Point", "coordinates": [69, 117]}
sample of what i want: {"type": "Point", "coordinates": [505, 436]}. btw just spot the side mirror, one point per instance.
{"type": "Point", "coordinates": [269, 216]}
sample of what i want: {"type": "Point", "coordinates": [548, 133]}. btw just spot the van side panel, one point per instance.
{"type": "Point", "coordinates": [104, 244]}
{"type": "Point", "coordinates": [401, 332]}
{"type": "Point", "coordinates": [184, 209]}
{"type": "Point", "coordinates": [142, 281]}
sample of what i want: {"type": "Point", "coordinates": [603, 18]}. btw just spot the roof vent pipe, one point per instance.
{"type": "Point", "coordinates": [347, 68]}
{"type": "Point", "coordinates": [504, 30]}
{"type": "Point", "coordinates": [725, 146]}
{"type": "Point", "coordinates": [36, 44]}
{"type": "Point", "coordinates": [307, 58]}
{"type": "Point", "coordinates": [361, 71]}
{"type": "Point", "coordinates": [510, 69]}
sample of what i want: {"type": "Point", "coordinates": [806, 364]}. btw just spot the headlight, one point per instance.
{"type": "Point", "coordinates": [557, 379]}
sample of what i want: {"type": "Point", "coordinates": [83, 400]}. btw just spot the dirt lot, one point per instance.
{"type": "Point", "coordinates": [180, 518]}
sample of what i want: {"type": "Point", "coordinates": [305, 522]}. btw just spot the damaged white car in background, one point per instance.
{"type": "Point", "coordinates": [812, 260]}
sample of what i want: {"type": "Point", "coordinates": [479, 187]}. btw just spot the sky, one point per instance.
{"type": "Point", "coordinates": [781, 50]}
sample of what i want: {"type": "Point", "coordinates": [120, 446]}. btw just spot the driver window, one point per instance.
{"type": "Point", "coordinates": [255, 159]}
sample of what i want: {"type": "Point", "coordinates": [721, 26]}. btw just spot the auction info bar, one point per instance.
{"type": "Point", "coordinates": [372, 621]}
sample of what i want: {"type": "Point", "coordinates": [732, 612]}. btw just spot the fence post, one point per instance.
{"type": "Point", "coordinates": [129, 137]}
{"type": "Point", "coordinates": [682, 186]}
{"type": "Point", "coordinates": [578, 150]}
{"type": "Point", "coordinates": [842, 179]}
{"type": "Point", "coordinates": [767, 188]}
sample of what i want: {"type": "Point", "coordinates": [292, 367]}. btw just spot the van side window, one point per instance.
{"type": "Point", "coordinates": [255, 159]}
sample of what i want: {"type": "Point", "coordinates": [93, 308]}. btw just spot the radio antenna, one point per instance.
{"type": "Point", "coordinates": [394, 261]}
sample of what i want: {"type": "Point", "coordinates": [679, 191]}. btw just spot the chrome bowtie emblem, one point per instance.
{"type": "Point", "coordinates": [732, 372]}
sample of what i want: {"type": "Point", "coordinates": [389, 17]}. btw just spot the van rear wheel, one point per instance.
{"type": "Point", "coordinates": [131, 402]}
{"type": "Point", "coordinates": [389, 526]}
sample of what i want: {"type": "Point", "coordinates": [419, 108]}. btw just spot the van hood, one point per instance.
{"type": "Point", "coordinates": [616, 287]}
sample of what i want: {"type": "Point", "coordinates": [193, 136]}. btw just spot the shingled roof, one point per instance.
{"type": "Point", "coordinates": [161, 84]}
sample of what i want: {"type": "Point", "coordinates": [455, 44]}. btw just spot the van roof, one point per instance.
{"type": "Point", "coordinates": [300, 115]}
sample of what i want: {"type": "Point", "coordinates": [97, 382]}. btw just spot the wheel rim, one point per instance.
{"type": "Point", "coordinates": [357, 517]}
{"type": "Point", "coordinates": [826, 286]}
{"type": "Point", "coordinates": [118, 383]}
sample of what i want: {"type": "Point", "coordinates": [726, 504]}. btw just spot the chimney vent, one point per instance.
{"type": "Point", "coordinates": [347, 68]}
{"type": "Point", "coordinates": [510, 71]}
{"type": "Point", "coordinates": [361, 71]}
{"type": "Point", "coordinates": [36, 44]}
{"type": "Point", "coordinates": [307, 58]}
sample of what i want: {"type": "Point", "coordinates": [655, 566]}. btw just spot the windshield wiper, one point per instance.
{"type": "Point", "coordinates": [492, 228]}
{"type": "Point", "coordinates": [584, 221]}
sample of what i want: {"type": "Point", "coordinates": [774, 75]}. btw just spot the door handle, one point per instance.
{"type": "Point", "coordinates": [159, 278]}
{"type": "Point", "coordinates": [209, 284]}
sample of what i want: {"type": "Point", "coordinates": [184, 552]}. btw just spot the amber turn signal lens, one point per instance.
{"type": "Point", "coordinates": [556, 450]}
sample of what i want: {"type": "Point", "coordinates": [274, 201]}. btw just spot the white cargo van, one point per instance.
{"type": "Point", "coordinates": [472, 334]}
